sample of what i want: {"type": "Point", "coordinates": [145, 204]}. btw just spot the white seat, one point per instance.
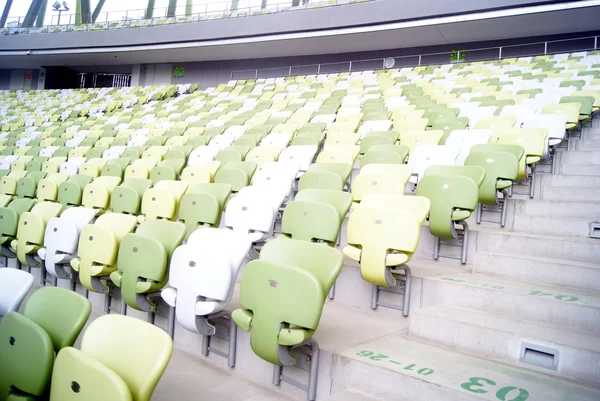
{"type": "Point", "coordinates": [74, 142]}
{"type": "Point", "coordinates": [324, 118]}
{"type": "Point", "coordinates": [138, 141]}
{"type": "Point", "coordinates": [235, 131]}
{"type": "Point", "coordinates": [253, 212]}
{"type": "Point", "coordinates": [61, 239]}
{"type": "Point", "coordinates": [220, 142]}
{"type": "Point", "coordinates": [215, 123]}
{"type": "Point", "coordinates": [374, 125]}
{"type": "Point", "coordinates": [300, 155]}
{"type": "Point", "coordinates": [474, 114]}
{"type": "Point", "coordinates": [202, 154]}
{"type": "Point", "coordinates": [521, 111]}
{"type": "Point", "coordinates": [72, 165]}
{"type": "Point", "coordinates": [6, 162]}
{"type": "Point", "coordinates": [14, 286]}
{"type": "Point", "coordinates": [425, 156]}
{"type": "Point", "coordinates": [553, 123]}
{"type": "Point", "coordinates": [280, 140]}
{"type": "Point", "coordinates": [278, 176]}
{"type": "Point", "coordinates": [114, 152]}
{"type": "Point", "coordinates": [203, 273]}
{"type": "Point", "coordinates": [48, 151]}
{"type": "Point", "coordinates": [464, 140]}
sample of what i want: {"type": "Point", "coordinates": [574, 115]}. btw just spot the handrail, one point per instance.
{"type": "Point", "coordinates": [216, 9]}
{"type": "Point", "coordinates": [419, 59]}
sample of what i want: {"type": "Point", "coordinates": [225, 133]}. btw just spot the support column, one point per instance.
{"type": "Point", "coordinates": [32, 13]}
{"type": "Point", "coordinates": [84, 9]}
{"type": "Point", "coordinates": [5, 13]}
{"type": "Point", "coordinates": [172, 8]}
{"type": "Point", "coordinates": [39, 22]}
{"type": "Point", "coordinates": [97, 10]}
{"type": "Point", "coordinates": [188, 7]}
{"type": "Point", "coordinates": [150, 9]}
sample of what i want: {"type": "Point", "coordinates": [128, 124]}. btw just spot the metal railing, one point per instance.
{"type": "Point", "coordinates": [586, 43]}
{"type": "Point", "coordinates": [62, 22]}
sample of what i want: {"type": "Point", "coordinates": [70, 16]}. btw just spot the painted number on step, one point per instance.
{"type": "Point", "coordinates": [481, 385]}
{"type": "Point", "coordinates": [566, 298]}
{"type": "Point", "coordinates": [455, 280]}
{"type": "Point", "coordinates": [381, 357]}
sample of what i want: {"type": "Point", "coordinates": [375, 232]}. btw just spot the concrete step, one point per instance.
{"type": "Point", "coordinates": [351, 396]}
{"type": "Point", "coordinates": [570, 181]}
{"type": "Point", "coordinates": [546, 349]}
{"type": "Point", "coordinates": [533, 302]}
{"type": "Point", "coordinates": [568, 248]}
{"type": "Point", "coordinates": [536, 207]}
{"type": "Point", "coordinates": [587, 144]}
{"type": "Point", "coordinates": [396, 368]}
{"type": "Point", "coordinates": [567, 226]}
{"type": "Point", "coordinates": [537, 269]}
{"type": "Point", "coordinates": [578, 169]}
{"type": "Point", "coordinates": [577, 194]}
{"type": "Point", "coordinates": [580, 157]}
{"type": "Point", "coordinates": [190, 378]}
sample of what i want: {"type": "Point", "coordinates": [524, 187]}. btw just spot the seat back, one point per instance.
{"type": "Point", "coordinates": [203, 273]}
{"type": "Point", "coordinates": [447, 194]}
{"type": "Point", "coordinates": [60, 312]}
{"type": "Point", "coordinates": [498, 165]}
{"type": "Point", "coordinates": [431, 155]}
{"type": "Point", "coordinates": [9, 216]}
{"type": "Point", "coordinates": [14, 286]}
{"type": "Point", "coordinates": [144, 256]}
{"type": "Point", "coordinates": [203, 205]}
{"type": "Point", "coordinates": [162, 201]}
{"type": "Point", "coordinates": [375, 231]}
{"type": "Point", "coordinates": [127, 197]}
{"type": "Point", "coordinates": [96, 195]}
{"type": "Point", "coordinates": [236, 174]}
{"type": "Point", "coordinates": [70, 192]}
{"type": "Point", "coordinates": [139, 363]}
{"type": "Point", "coordinates": [291, 273]}
{"type": "Point", "coordinates": [27, 186]}
{"type": "Point", "coordinates": [418, 206]}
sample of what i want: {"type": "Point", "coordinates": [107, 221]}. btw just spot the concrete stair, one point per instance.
{"type": "Point", "coordinates": [532, 302]}
{"type": "Point", "coordinates": [548, 349]}
{"type": "Point", "coordinates": [352, 396]}
{"type": "Point", "coordinates": [536, 269]}
{"type": "Point", "coordinates": [397, 368]}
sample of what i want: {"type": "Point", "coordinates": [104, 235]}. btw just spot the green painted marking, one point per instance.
{"type": "Point", "coordinates": [475, 382]}
{"type": "Point", "coordinates": [503, 393]}
{"type": "Point", "coordinates": [454, 280]}
{"type": "Point", "coordinates": [378, 357]}
{"type": "Point", "coordinates": [540, 293]}
{"type": "Point", "coordinates": [397, 363]}
{"type": "Point", "coordinates": [566, 298]}
{"type": "Point", "coordinates": [365, 353]}
{"type": "Point", "coordinates": [425, 371]}
{"type": "Point", "coordinates": [410, 367]}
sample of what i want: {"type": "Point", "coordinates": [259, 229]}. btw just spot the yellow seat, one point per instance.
{"type": "Point", "coordinates": [162, 201]}
{"type": "Point", "coordinates": [346, 154]}
{"type": "Point", "coordinates": [380, 178]}
{"type": "Point", "coordinates": [47, 189]}
{"type": "Point", "coordinates": [571, 110]}
{"type": "Point", "coordinates": [96, 195]}
{"type": "Point", "coordinates": [412, 139]}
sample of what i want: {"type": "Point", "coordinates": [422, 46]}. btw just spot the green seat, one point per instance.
{"type": "Point", "coordinates": [501, 169]}
{"type": "Point", "coordinates": [70, 192]}
{"type": "Point", "coordinates": [127, 197]}
{"type": "Point", "coordinates": [386, 154]}
{"type": "Point", "coordinates": [143, 261]}
{"type": "Point", "coordinates": [52, 319]}
{"type": "Point", "coordinates": [453, 198]}
{"type": "Point", "coordinates": [31, 230]}
{"type": "Point", "coordinates": [37, 163]}
{"type": "Point", "coordinates": [316, 215]}
{"type": "Point", "coordinates": [202, 206]}
{"type": "Point", "coordinates": [115, 167]}
{"type": "Point", "coordinates": [167, 170]}
{"type": "Point", "coordinates": [105, 369]}
{"type": "Point", "coordinates": [377, 138]}
{"type": "Point", "coordinates": [98, 247]}
{"type": "Point", "coordinates": [282, 295]}
{"type": "Point", "coordinates": [237, 174]}
{"type": "Point", "coordinates": [576, 84]}
{"type": "Point", "coordinates": [448, 126]}
{"type": "Point", "coordinates": [475, 173]}
{"type": "Point", "coordinates": [586, 105]}
{"type": "Point", "coordinates": [27, 186]}
{"type": "Point", "coordinates": [97, 194]}
{"type": "Point", "coordinates": [9, 222]}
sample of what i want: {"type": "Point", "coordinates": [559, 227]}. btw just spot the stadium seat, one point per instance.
{"type": "Point", "coordinates": [143, 261]}
{"type": "Point", "coordinates": [297, 276]}
{"type": "Point", "coordinates": [123, 370]}
{"type": "Point", "coordinates": [425, 156]}
{"type": "Point", "coordinates": [501, 169]}
{"type": "Point", "coordinates": [162, 200]}
{"type": "Point", "coordinates": [61, 238]}
{"type": "Point", "coordinates": [98, 248]}
{"type": "Point", "coordinates": [380, 178]}
{"type": "Point", "coordinates": [202, 206]}
{"type": "Point", "coordinates": [381, 249]}
{"type": "Point", "coordinates": [454, 196]}
{"type": "Point", "coordinates": [14, 286]}
{"type": "Point", "coordinates": [52, 319]}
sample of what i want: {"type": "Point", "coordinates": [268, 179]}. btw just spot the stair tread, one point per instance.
{"type": "Point", "coordinates": [493, 283]}
{"type": "Point", "coordinates": [453, 370]}
{"type": "Point", "coordinates": [351, 396]}
{"type": "Point", "coordinates": [554, 334]}
{"type": "Point", "coordinates": [538, 236]}
{"type": "Point", "coordinates": [542, 260]}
